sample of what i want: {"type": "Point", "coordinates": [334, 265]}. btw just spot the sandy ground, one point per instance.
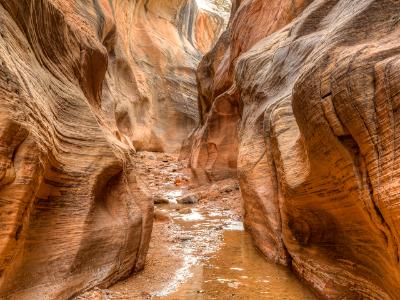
{"type": "Point", "coordinates": [176, 244]}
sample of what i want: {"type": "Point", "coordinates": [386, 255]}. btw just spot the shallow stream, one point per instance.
{"type": "Point", "coordinates": [201, 250]}
{"type": "Point", "coordinates": [234, 269]}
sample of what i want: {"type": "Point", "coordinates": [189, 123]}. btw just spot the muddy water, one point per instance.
{"type": "Point", "coordinates": [199, 251]}
{"type": "Point", "coordinates": [231, 268]}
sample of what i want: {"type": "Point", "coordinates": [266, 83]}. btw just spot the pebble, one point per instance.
{"type": "Point", "coordinates": [219, 227]}
{"type": "Point", "coordinates": [185, 238]}
{"type": "Point", "coordinates": [179, 181]}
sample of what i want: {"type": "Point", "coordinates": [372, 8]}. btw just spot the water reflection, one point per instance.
{"type": "Point", "coordinates": [238, 271]}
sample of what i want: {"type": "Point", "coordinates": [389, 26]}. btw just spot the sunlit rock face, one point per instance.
{"type": "Point", "coordinates": [299, 100]}
{"type": "Point", "coordinates": [82, 84]}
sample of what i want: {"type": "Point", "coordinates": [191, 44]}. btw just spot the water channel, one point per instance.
{"type": "Point", "coordinates": [235, 270]}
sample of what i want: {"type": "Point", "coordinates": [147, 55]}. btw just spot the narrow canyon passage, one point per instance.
{"type": "Point", "coordinates": [199, 250]}
{"type": "Point", "coordinates": [199, 149]}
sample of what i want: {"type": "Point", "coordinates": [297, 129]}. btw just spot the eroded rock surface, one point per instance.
{"type": "Point", "coordinates": [299, 99]}
{"type": "Point", "coordinates": [82, 84]}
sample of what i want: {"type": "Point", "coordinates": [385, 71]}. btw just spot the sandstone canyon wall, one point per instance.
{"type": "Point", "coordinates": [82, 84]}
{"type": "Point", "coordinates": [299, 100]}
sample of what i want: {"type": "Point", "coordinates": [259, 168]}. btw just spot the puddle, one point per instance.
{"type": "Point", "coordinates": [234, 269]}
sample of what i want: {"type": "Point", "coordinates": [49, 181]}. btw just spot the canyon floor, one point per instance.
{"type": "Point", "coordinates": [199, 250]}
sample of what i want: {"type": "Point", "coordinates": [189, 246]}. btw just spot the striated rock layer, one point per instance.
{"type": "Point", "coordinates": [154, 48]}
{"type": "Point", "coordinates": [82, 83]}
{"type": "Point", "coordinates": [299, 99]}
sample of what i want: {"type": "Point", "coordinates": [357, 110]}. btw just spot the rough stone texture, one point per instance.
{"type": "Point", "coordinates": [153, 55]}
{"type": "Point", "coordinates": [214, 155]}
{"type": "Point", "coordinates": [82, 83]}
{"type": "Point", "coordinates": [306, 113]}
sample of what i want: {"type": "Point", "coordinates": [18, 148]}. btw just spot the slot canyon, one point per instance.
{"type": "Point", "coordinates": [199, 149]}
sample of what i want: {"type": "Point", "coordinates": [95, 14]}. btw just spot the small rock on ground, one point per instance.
{"type": "Point", "coordinates": [185, 210]}
{"type": "Point", "coordinates": [161, 216]}
{"type": "Point", "coordinates": [159, 199]}
{"type": "Point", "coordinates": [189, 199]}
{"type": "Point", "coordinates": [185, 238]}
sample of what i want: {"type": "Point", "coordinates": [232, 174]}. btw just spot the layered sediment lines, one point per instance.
{"type": "Point", "coordinates": [299, 100]}
{"type": "Point", "coordinates": [82, 84]}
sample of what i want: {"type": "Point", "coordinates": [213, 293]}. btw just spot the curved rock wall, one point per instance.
{"type": "Point", "coordinates": [82, 84]}
{"type": "Point", "coordinates": [153, 55]}
{"type": "Point", "coordinates": [305, 114]}
{"type": "Point", "coordinates": [215, 154]}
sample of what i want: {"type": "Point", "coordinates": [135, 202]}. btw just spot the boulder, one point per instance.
{"type": "Point", "coordinates": [160, 199]}
{"type": "Point", "coordinates": [189, 199]}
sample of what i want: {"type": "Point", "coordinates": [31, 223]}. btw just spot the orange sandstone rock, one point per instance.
{"type": "Point", "coordinates": [299, 99]}
{"type": "Point", "coordinates": [82, 84]}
